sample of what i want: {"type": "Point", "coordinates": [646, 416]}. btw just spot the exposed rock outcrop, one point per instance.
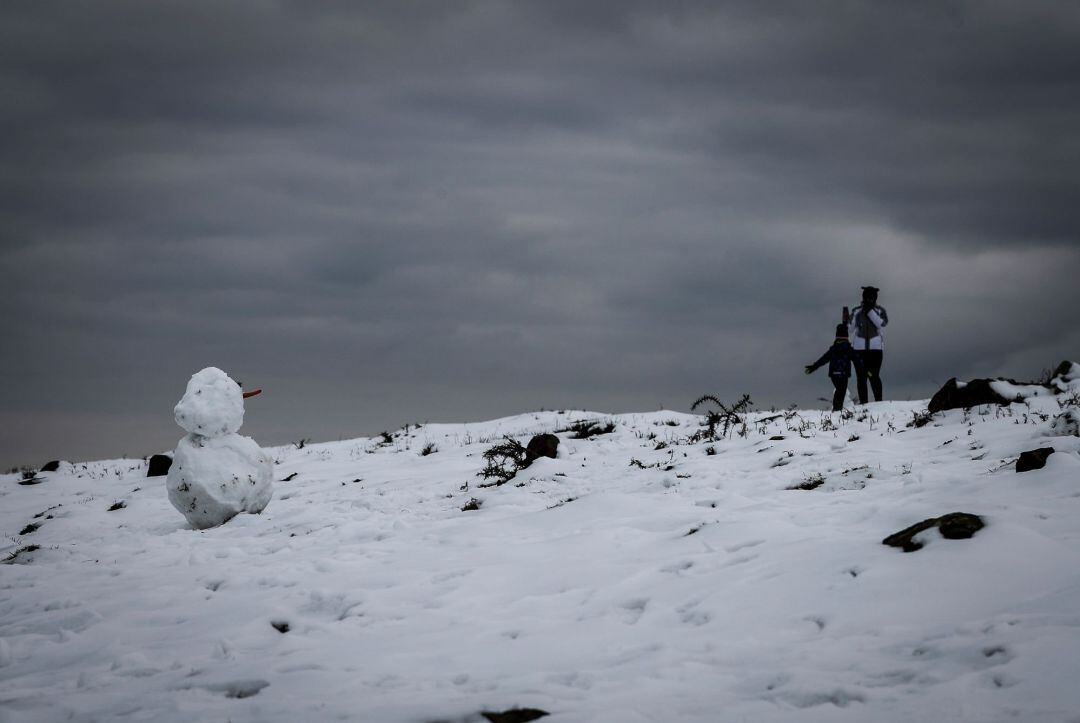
{"type": "Point", "coordinates": [542, 445]}
{"type": "Point", "coordinates": [515, 715]}
{"type": "Point", "coordinates": [1033, 459]}
{"type": "Point", "coordinates": [960, 395]}
{"type": "Point", "coordinates": [953, 526]}
{"type": "Point", "coordinates": [159, 465]}
{"type": "Point", "coordinates": [964, 395]}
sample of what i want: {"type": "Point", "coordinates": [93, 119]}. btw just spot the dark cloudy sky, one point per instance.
{"type": "Point", "coordinates": [404, 211]}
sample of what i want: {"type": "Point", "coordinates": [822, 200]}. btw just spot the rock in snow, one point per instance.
{"type": "Point", "coordinates": [216, 474]}
{"type": "Point", "coordinates": [957, 395]}
{"type": "Point", "coordinates": [964, 395]}
{"type": "Point", "coordinates": [542, 445]}
{"type": "Point", "coordinates": [1033, 459]}
{"type": "Point", "coordinates": [158, 465]}
{"type": "Point", "coordinates": [953, 526]}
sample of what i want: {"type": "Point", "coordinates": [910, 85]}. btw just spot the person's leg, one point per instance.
{"type": "Point", "coordinates": [873, 360]}
{"type": "Point", "coordinates": [840, 393]}
{"type": "Point", "coordinates": [860, 376]}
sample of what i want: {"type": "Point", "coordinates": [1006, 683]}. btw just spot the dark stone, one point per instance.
{"type": "Point", "coordinates": [472, 505]}
{"type": "Point", "coordinates": [974, 393]}
{"type": "Point", "coordinates": [51, 466]}
{"type": "Point", "coordinates": [953, 526]}
{"type": "Point", "coordinates": [542, 445]}
{"type": "Point", "coordinates": [904, 538]}
{"type": "Point", "coordinates": [117, 506]}
{"type": "Point", "coordinates": [159, 465]}
{"type": "Point", "coordinates": [1033, 459]}
{"type": "Point", "coordinates": [282, 626]}
{"type": "Point", "coordinates": [1066, 371]}
{"type": "Point", "coordinates": [959, 525]}
{"type": "Point", "coordinates": [978, 391]}
{"type": "Point", "coordinates": [516, 715]}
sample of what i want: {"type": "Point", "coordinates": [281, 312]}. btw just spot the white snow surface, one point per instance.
{"type": "Point", "coordinates": [212, 405]}
{"type": "Point", "coordinates": [635, 578]}
{"type": "Point", "coordinates": [1011, 391]}
{"type": "Point", "coordinates": [213, 479]}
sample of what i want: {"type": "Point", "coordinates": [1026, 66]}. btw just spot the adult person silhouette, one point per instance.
{"type": "Point", "coordinates": [866, 330]}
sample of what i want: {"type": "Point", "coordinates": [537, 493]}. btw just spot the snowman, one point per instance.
{"type": "Point", "coordinates": [216, 474]}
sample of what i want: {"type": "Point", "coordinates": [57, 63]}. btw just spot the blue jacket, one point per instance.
{"type": "Point", "coordinates": [840, 357]}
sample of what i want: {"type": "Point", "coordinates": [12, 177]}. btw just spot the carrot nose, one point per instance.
{"type": "Point", "coordinates": [252, 393]}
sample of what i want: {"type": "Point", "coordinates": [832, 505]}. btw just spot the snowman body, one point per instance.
{"type": "Point", "coordinates": [216, 473]}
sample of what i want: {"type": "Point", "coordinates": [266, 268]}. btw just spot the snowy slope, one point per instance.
{"type": "Point", "coordinates": [682, 586]}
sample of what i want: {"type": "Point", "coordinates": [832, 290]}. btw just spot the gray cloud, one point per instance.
{"type": "Point", "coordinates": [390, 212]}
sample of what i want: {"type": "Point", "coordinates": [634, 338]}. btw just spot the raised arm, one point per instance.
{"type": "Point", "coordinates": [811, 368]}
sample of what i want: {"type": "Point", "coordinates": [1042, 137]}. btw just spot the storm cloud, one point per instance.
{"type": "Point", "coordinates": [398, 212]}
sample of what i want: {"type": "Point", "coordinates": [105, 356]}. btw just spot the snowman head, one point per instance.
{"type": "Point", "coordinates": [212, 406]}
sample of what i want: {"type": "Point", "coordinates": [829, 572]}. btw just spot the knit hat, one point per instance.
{"type": "Point", "coordinates": [869, 293]}
{"type": "Point", "coordinates": [841, 331]}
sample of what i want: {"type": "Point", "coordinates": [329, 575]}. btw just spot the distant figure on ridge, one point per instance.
{"type": "Point", "coordinates": [840, 357]}
{"type": "Point", "coordinates": [868, 339]}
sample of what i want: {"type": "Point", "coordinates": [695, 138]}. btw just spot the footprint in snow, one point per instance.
{"type": "Point", "coordinates": [580, 681]}
{"type": "Point", "coordinates": [890, 679]}
{"type": "Point", "coordinates": [634, 609]}
{"type": "Point", "coordinates": [678, 567]}
{"type": "Point", "coordinates": [301, 668]}
{"type": "Point", "coordinates": [997, 654]}
{"type": "Point", "coordinates": [448, 576]}
{"type": "Point", "coordinates": [999, 679]}
{"type": "Point", "coordinates": [238, 688]}
{"type": "Point", "coordinates": [690, 615]}
{"type": "Point", "coordinates": [743, 545]}
{"type": "Point", "coordinates": [740, 560]}
{"type": "Point", "coordinates": [839, 697]}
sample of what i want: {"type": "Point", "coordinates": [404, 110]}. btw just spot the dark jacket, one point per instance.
{"type": "Point", "coordinates": [840, 357]}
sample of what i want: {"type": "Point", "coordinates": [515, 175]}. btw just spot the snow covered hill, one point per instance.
{"type": "Point", "coordinates": [638, 577]}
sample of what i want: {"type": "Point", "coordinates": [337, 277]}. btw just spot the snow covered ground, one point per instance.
{"type": "Point", "coordinates": [635, 578]}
